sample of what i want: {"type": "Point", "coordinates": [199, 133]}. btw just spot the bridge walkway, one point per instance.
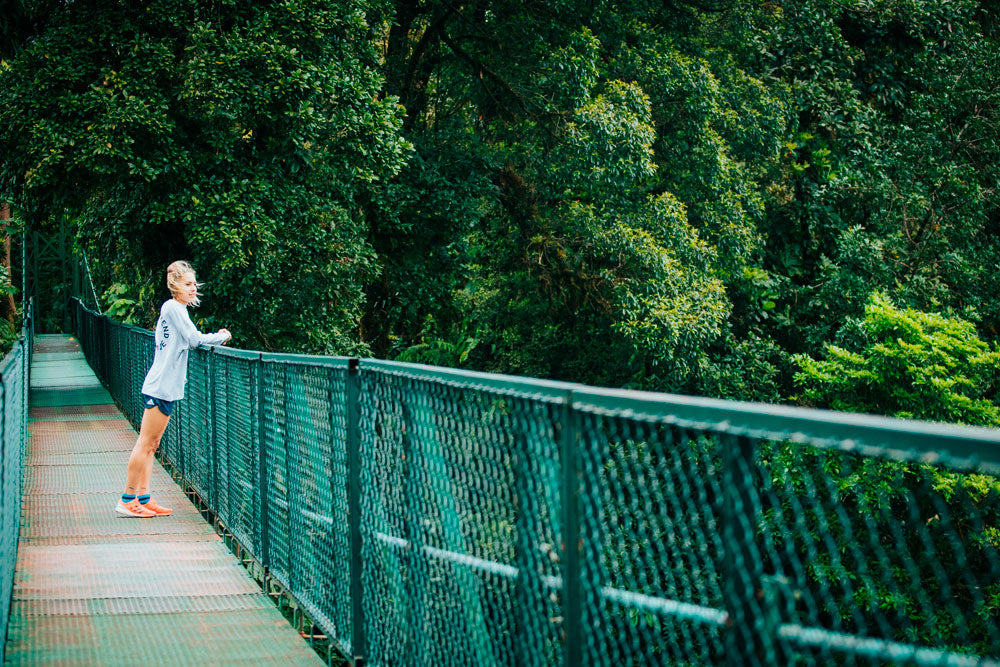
{"type": "Point", "coordinates": [92, 588]}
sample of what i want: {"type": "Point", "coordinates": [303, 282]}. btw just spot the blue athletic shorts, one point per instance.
{"type": "Point", "coordinates": [166, 407]}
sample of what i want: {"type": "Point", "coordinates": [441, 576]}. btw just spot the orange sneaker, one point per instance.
{"type": "Point", "coordinates": [158, 509]}
{"type": "Point", "coordinates": [135, 509]}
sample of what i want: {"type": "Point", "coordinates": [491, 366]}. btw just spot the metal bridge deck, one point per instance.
{"type": "Point", "coordinates": [92, 588]}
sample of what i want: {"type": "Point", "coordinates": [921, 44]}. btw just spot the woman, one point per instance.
{"type": "Point", "coordinates": [164, 384]}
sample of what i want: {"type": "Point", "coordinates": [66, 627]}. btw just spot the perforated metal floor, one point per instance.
{"type": "Point", "coordinates": [92, 588]}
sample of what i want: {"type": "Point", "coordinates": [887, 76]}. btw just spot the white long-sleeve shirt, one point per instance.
{"type": "Point", "coordinates": [175, 335]}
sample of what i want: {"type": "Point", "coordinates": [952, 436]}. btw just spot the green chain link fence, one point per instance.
{"type": "Point", "coordinates": [434, 516]}
{"type": "Point", "coordinates": [14, 373]}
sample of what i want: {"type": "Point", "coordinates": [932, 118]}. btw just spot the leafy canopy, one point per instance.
{"type": "Point", "coordinates": [906, 363]}
{"type": "Point", "coordinates": [241, 136]}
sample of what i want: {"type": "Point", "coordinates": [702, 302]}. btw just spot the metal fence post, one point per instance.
{"type": "Point", "coordinates": [25, 394]}
{"type": "Point", "coordinates": [359, 646]}
{"type": "Point", "coordinates": [569, 438]}
{"type": "Point", "coordinates": [102, 332]}
{"type": "Point", "coordinates": [4, 452]}
{"type": "Point", "coordinates": [265, 538]}
{"type": "Point", "coordinates": [290, 553]}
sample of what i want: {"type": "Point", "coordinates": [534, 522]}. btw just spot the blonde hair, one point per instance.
{"type": "Point", "coordinates": [175, 274]}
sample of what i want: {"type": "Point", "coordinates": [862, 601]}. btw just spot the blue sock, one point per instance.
{"type": "Point", "coordinates": [127, 498]}
{"type": "Point", "coordinates": [144, 498]}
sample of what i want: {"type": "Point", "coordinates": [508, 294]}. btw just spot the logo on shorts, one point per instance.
{"type": "Point", "coordinates": [150, 403]}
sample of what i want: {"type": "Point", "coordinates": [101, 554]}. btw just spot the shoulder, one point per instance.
{"type": "Point", "coordinates": [173, 311]}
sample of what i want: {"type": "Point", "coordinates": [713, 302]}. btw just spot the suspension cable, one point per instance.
{"type": "Point", "coordinates": [90, 281]}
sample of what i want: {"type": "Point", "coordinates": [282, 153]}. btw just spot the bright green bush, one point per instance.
{"type": "Point", "coordinates": [906, 363]}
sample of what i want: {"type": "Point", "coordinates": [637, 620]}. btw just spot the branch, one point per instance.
{"type": "Point", "coordinates": [433, 30]}
{"type": "Point", "coordinates": [481, 69]}
{"type": "Point", "coordinates": [713, 6]}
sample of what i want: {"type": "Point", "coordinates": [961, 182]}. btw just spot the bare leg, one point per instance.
{"type": "Point", "coordinates": [140, 463]}
{"type": "Point", "coordinates": [147, 473]}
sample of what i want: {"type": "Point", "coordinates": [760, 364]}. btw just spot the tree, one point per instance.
{"type": "Point", "coordinates": [579, 193]}
{"type": "Point", "coordinates": [242, 136]}
{"type": "Point", "coordinates": [888, 179]}
{"type": "Point", "coordinates": [905, 363]}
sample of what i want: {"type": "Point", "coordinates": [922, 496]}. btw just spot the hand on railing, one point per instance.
{"type": "Point", "coordinates": [229, 336]}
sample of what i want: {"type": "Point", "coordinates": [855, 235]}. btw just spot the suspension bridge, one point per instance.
{"type": "Point", "coordinates": [395, 514]}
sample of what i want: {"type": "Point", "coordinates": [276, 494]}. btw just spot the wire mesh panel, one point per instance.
{"type": "Point", "coordinates": [652, 543]}
{"type": "Point", "coordinates": [459, 491]}
{"type": "Point", "coordinates": [86, 323]}
{"type": "Point", "coordinates": [14, 373]}
{"type": "Point", "coordinates": [505, 521]}
{"type": "Point", "coordinates": [236, 426]}
{"type": "Point", "coordinates": [337, 599]}
{"type": "Point", "coordinates": [318, 537]}
{"type": "Point", "coordinates": [117, 361]}
{"type": "Point", "coordinates": [874, 559]}
{"type": "Point", "coordinates": [11, 472]}
{"type": "Point", "coordinates": [198, 438]}
{"type": "Point", "coordinates": [303, 422]}
{"type": "Point", "coordinates": [279, 485]}
{"type": "Point", "coordinates": [132, 349]}
{"type": "Point", "coordinates": [180, 426]}
{"type": "Point", "coordinates": [140, 358]}
{"type": "Point", "coordinates": [722, 541]}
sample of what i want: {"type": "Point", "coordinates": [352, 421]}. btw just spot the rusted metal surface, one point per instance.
{"type": "Point", "coordinates": [55, 344]}
{"type": "Point", "coordinates": [250, 637]}
{"type": "Point", "coordinates": [86, 412]}
{"type": "Point", "coordinates": [92, 588]}
{"type": "Point", "coordinates": [72, 424]}
{"type": "Point", "coordinates": [84, 515]}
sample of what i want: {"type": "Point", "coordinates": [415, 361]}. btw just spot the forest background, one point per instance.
{"type": "Point", "coordinates": [780, 201]}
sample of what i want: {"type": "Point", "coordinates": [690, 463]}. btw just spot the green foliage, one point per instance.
{"type": "Point", "coordinates": [432, 349]}
{"type": "Point", "coordinates": [623, 301]}
{"type": "Point", "coordinates": [9, 331]}
{"type": "Point", "coordinates": [750, 369]}
{"type": "Point", "coordinates": [6, 285]}
{"type": "Point", "coordinates": [240, 136]}
{"type": "Point", "coordinates": [907, 363]}
{"type": "Point", "coordinates": [676, 196]}
{"type": "Point", "coordinates": [882, 538]}
{"type": "Point", "coordinates": [660, 195]}
{"type": "Point", "coordinates": [888, 182]}
{"type": "Point", "coordinates": [580, 186]}
{"type": "Point", "coordinates": [125, 301]}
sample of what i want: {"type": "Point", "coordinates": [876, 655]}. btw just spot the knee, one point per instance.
{"type": "Point", "coordinates": [150, 445]}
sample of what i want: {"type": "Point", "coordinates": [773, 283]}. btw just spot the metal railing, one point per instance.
{"type": "Point", "coordinates": [427, 515]}
{"type": "Point", "coordinates": [15, 370]}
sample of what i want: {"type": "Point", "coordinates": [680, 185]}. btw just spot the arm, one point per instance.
{"type": "Point", "coordinates": [189, 333]}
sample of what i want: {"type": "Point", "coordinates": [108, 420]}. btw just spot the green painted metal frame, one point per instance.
{"type": "Point", "coordinates": [871, 435]}
{"type": "Point", "coordinates": [15, 379]}
{"type": "Point", "coordinates": [739, 425]}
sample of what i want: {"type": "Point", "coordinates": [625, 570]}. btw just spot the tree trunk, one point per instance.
{"type": "Point", "coordinates": [9, 304]}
